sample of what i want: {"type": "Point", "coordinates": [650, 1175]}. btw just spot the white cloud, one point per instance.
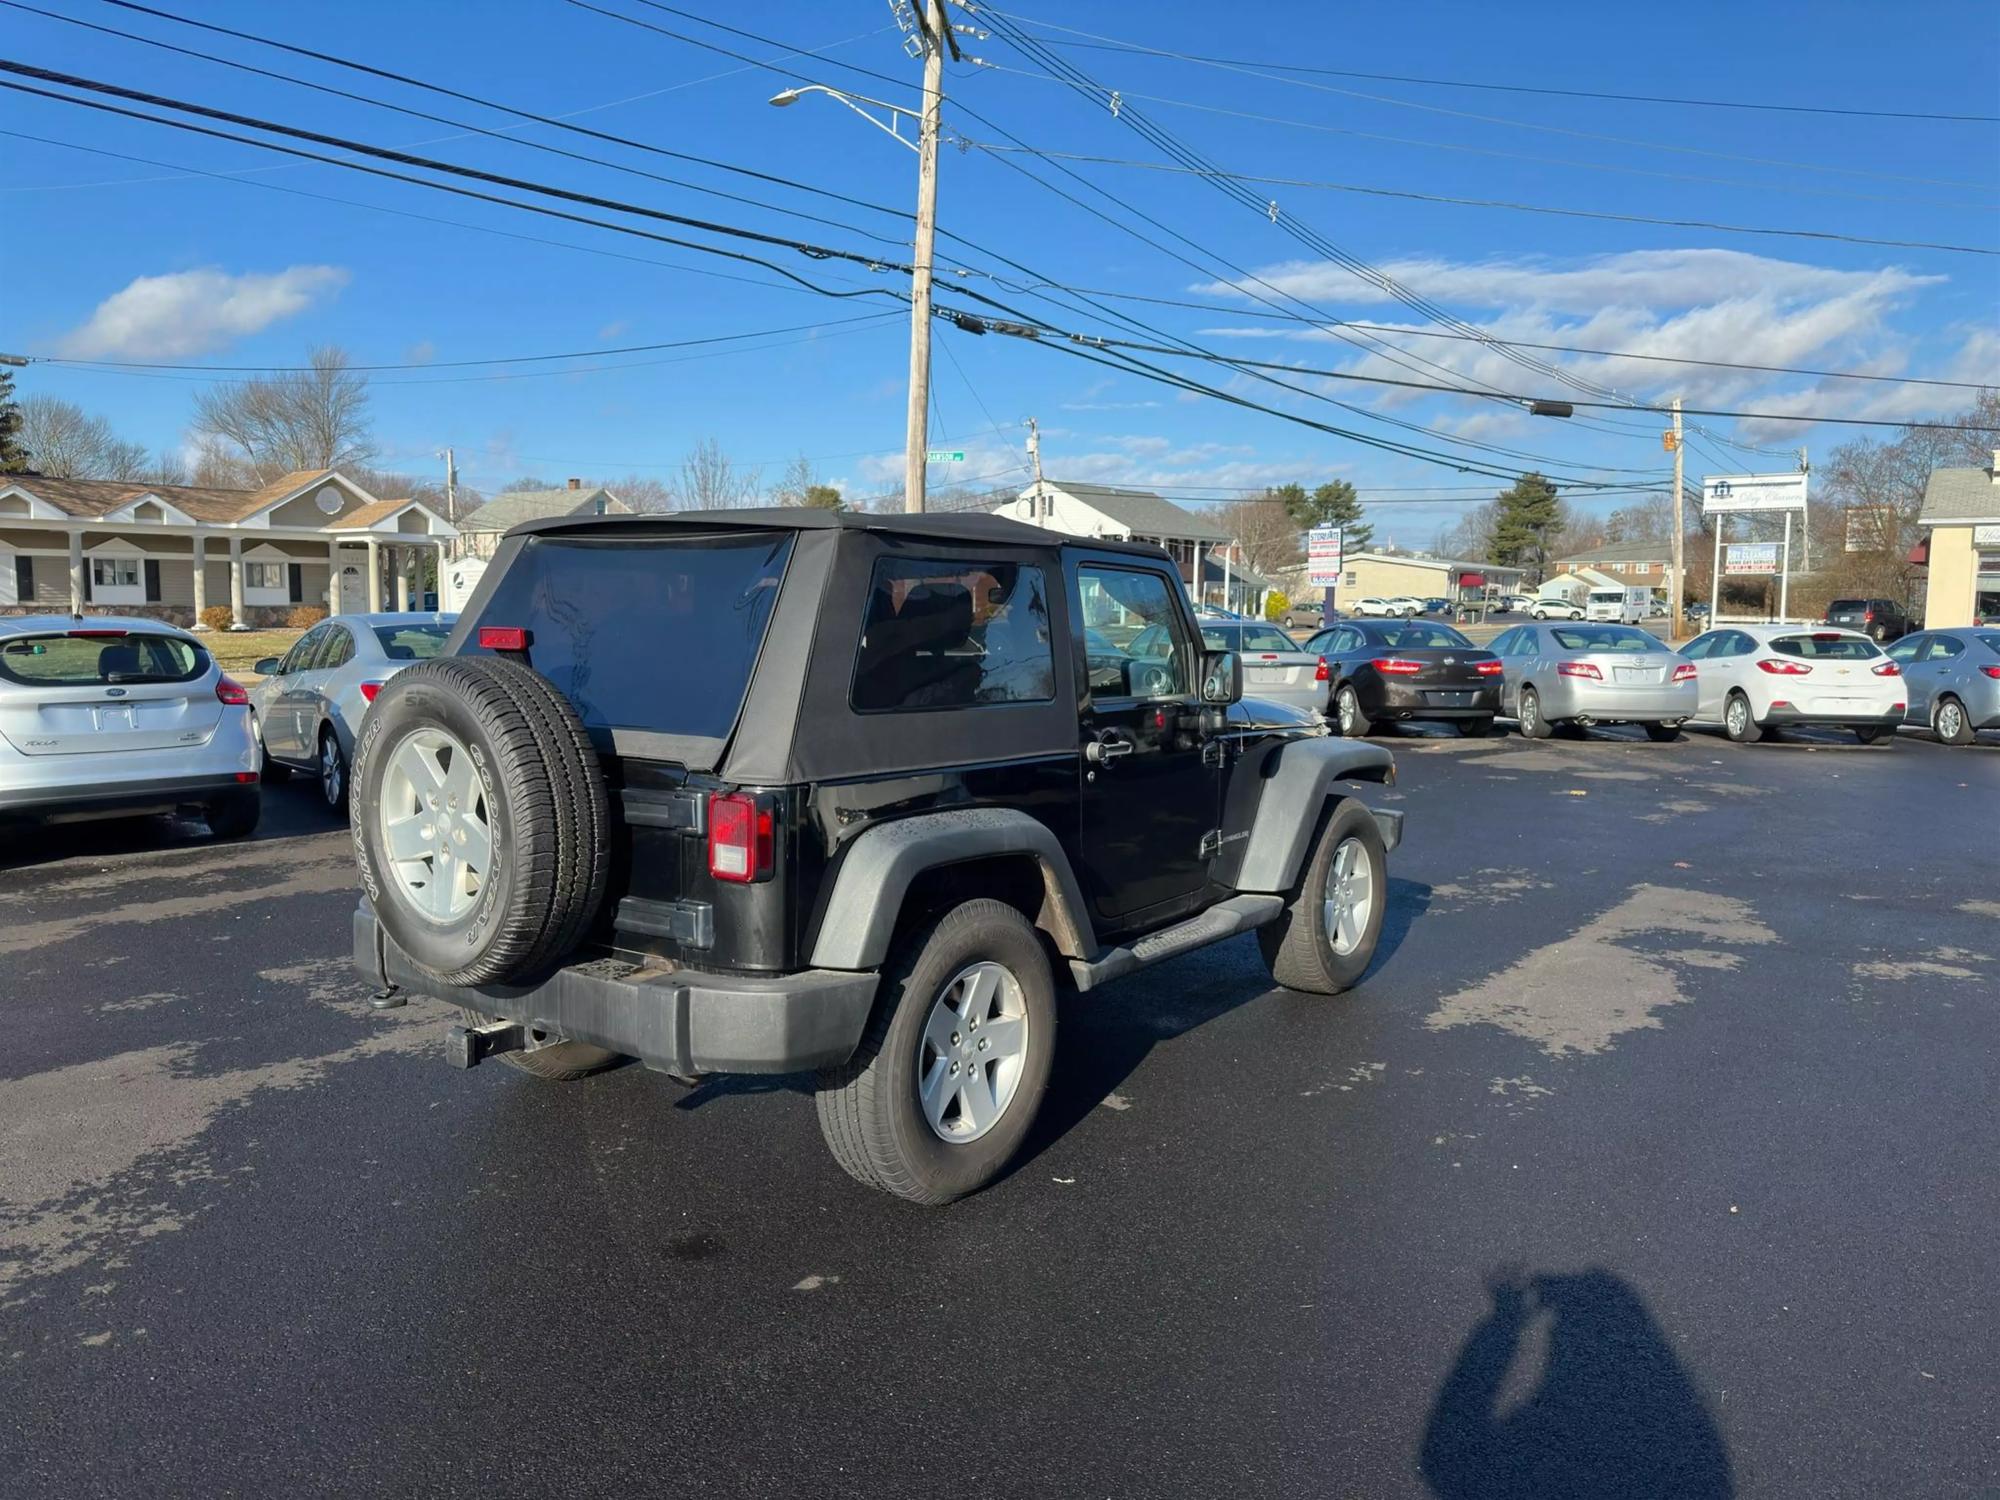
{"type": "Point", "coordinates": [420, 353]}
{"type": "Point", "coordinates": [614, 329]}
{"type": "Point", "coordinates": [196, 312]}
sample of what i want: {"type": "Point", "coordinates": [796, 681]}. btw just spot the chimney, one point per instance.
{"type": "Point", "coordinates": [576, 484]}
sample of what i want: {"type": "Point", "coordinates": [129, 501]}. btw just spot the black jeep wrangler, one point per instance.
{"type": "Point", "coordinates": [767, 791]}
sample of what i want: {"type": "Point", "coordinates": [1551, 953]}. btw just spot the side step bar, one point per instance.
{"type": "Point", "coordinates": [1222, 920]}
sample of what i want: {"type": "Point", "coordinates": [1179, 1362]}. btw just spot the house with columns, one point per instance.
{"type": "Point", "coordinates": [314, 538]}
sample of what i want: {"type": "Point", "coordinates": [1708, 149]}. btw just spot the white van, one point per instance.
{"type": "Point", "coordinates": [1628, 606]}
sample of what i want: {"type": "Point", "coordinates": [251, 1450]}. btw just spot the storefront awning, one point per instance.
{"type": "Point", "coordinates": [1920, 555]}
{"type": "Point", "coordinates": [1472, 580]}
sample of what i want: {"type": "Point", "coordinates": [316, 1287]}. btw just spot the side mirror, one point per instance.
{"type": "Point", "coordinates": [268, 667]}
{"type": "Point", "coordinates": [1221, 677]}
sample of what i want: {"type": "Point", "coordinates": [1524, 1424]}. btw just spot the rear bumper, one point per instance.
{"type": "Point", "coordinates": [1792, 718]}
{"type": "Point", "coordinates": [137, 795]}
{"type": "Point", "coordinates": [1405, 702]}
{"type": "Point", "coordinates": [674, 1020]}
{"type": "Point", "coordinates": [1604, 703]}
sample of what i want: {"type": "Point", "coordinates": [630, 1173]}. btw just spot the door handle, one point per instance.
{"type": "Point", "coordinates": [1108, 746]}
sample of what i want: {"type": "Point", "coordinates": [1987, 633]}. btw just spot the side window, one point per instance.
{"type": "Point", "coordinates": [303, 649]}
{"type": "Point", "coordinates": [1345, 641]}
{"type": "Point", "coordinates": [941, 634]}
{"type": "Point", "coordinates": [1503, 644]}
{"type": "Point", "coordinates": [1944, 648]}
{"type": "Point", "coordinates": [1698, 648]}
{"type": "Point", "coordinates": [1120, 598]}
{"type": "Point", "coordinates": [1530, 643]}
{"type": "Point", "coordinates": [338, 651]}
{"type": "Point", "coordinates": [1907, 649]}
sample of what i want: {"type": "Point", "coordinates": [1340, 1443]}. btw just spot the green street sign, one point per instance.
{"type": "Point", "coordinates": [947, 455]}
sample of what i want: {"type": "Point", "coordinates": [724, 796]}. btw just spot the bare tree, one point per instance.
{"type": "Point", "coordinates": [800, 485]}
{"type": "Point", "coordinates": [709, 480]}
{"type": "Point", "coordinates": [69, 443]}
{"type": "Point", "coordinates": [310, 419]}
{"type": "Point", "coordinates": [1267, 531]}
{"type": "Point", "coordinates": [643, 493]}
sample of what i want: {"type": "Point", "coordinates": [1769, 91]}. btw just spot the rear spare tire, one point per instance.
{"type": "Point", "coordinates": [479, 816]}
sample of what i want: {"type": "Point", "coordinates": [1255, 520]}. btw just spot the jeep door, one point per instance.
{"type": "Point", "coordinates": [1149, 801]}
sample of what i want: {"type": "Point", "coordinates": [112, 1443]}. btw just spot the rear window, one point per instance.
{"type": "Point", "coordinates": [100, 660]}
{"type": "Point", "coordinates": [1246, 638]}
{"type": "Point", "coordinates": [412, 642]}
{"type": "Point", "coordinates": [954, 635]}
{"type": "Point", "coordinates": [1826, 647]}
{"type": "Point", "coordinates": [649, 633]}
{"type": "Point", "coordinates": [1604, 638]}
{"type": "Point", "coordinates": [1848, 607]}
{"type": "Point", "coordinates": [1990, 642]}
{"type": "Point", "coordinates": [1412, 637]}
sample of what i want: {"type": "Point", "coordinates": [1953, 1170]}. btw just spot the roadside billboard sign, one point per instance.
{"type": "Point", "coordinates": [1323, 556]}
{"type": "Point", "coordinates": [1750, 559]}
{"type": "Point", "coordinates": [1743, 494]}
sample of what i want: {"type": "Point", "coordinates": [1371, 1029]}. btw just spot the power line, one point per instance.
{"type": "Point", "coordinates": [1105, 44]}
{"type": "Point", "coordinates": [1253, 71]}
{"type": "Point", "coordinates": [1498, 203]}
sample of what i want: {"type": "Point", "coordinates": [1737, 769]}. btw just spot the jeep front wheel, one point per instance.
{"type": "Point", "coordinates": [1325, 939]}
{"type": "Point", "coordinates": [946, 1081]}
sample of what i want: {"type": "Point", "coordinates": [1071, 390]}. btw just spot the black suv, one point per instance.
{"type": "Point", "coordinates": [775, 790]}
{"type": "Point", "coordinates": [1878, 619]}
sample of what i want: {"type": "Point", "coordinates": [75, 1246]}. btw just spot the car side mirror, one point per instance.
{"type": "Point", "coordinates": [268, 667]}
{"type": "Point", "coordinates": [1221, 677]}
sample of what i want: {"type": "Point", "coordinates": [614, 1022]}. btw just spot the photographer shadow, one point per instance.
{"type": "Point", "coordinates": [1610, 1412]}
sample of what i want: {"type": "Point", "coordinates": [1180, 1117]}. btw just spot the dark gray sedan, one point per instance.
{"type": "Point", "coordinates": [311, 699]}
{"type": "Point", "coordinates": [1954, 681]}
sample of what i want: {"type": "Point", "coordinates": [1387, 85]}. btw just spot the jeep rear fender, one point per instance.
{"type": "Point", "coordinates": [1295, 792]}
{"type": "Point", "coordinates": [876, 874]}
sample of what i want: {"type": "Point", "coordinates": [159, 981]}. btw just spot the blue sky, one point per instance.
{"type": "Point", "coordinates": [115, 259]}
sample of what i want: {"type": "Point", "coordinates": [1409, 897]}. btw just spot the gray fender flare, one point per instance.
{"type": "Point", "coordinates": [1288, 811]}
{"type": "Point", "coordinates": [878, 870]}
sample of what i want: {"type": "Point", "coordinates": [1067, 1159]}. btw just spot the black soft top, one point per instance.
{"type": "Point", "coordinates": [946, 526]}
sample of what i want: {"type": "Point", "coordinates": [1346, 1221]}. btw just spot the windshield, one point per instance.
{"type": "Point", "coordinates": [95, 658]}
{"type": "Point", "coordinates": [1604, 638]}
{"type": "Point", "coordinates": [1833, 647]}
{"type": "Point", "coordinates": [412, 642]}
{"type": "Point", "coordinates": [1411, 637]}
{"type": "Point", "coordinates": [1607, 596]}
{"type": "Point", "coordinates": [648, 633]}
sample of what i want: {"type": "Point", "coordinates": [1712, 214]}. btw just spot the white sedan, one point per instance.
{"type": "Point", "coordinates": [1758, 677]}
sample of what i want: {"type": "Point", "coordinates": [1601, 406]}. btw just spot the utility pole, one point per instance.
{"type": "Point", "coordinates": [1677, 588]}
{"type": "Point", "coordinates": [450, 487]}
{"type": "Point", "coordinates": [1035, 453]}
{"type": "Point", "coordinates": [936, 33]}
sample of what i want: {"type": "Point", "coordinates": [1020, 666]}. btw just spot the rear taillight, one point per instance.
{"type": "Point", "coordinates": [1320, 674]}
{"type": "Point", "coordinates": [502, 638]}
{"type": "Point", "coordinates": [742, 837]}
{"type": "Point", "coordinates": [1868, 617]}
{"type": "Point", "coordinates": [1886, 669]}
{"type": "Point", "coordinates": [1488, 668]}
{"type": "Point", "coordinates": [369, 690]}
{"type": "Point", "coordinates": [1397, 666]}
{"type": "Point", "coordinates": [1579, 669]}
{"type": "Point", "coordinates": [1989, 671]}
{"type": "Point", "coordinates": [1684, 672]}
{"type": "Point", "coordinates": [1783, 668]}
{"type": "Point", "coordinates": [227, 690]}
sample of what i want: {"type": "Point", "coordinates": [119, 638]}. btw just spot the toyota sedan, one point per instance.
{"type": "Point", "coordinates": [1593, 673]}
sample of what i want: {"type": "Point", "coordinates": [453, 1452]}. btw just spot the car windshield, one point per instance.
{"type": "Point", "coordinates": [1604, 638]}
{"type": "Point", "coordinates": [1833, 647]}
{"type": "Point", "coordinates": [1416, 636]}
{"type": "Point", "coordinates": [412, 642]}
{"type": "Point", "coordinates": [1097, 643]}
{"type": "Point", "coordinates": [96, 658]}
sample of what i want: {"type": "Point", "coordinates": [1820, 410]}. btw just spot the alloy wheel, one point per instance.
{"type": "Point", "coordinates": [332, 774]}
{"type": "Point", "coordinates": [973, 1052]}
{"type": "Point", "coordinates": [1738, 716]}
{"type": "Point", "coordinates": [434, 826]}
{"type": "Point", "coordinates": [1350, 896]}
{"type": "Point", "coordinates": [1950, 721]}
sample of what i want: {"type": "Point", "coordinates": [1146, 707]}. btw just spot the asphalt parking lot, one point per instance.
{"type": "Point", "coordinates": [1656, 1157]}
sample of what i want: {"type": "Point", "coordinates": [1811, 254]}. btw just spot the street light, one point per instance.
{"type": "Point", "coordinates": [785, 98]}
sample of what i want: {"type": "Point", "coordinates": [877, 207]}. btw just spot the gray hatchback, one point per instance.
{"type": "Point", "coordinates": [312, 699]}
{"type": "Point", "coordinates": [1954, 681]}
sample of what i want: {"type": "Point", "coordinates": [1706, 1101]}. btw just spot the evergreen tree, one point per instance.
{"type": "Point", "coordinates": [1527, 516]}
{"type": "Point", "coordinates": [13, 457]}
{"type": "Point", "coordinates": [1336, 504]}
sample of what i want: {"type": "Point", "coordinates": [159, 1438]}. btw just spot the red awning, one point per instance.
{"type": "Point", "coordinates": [1920, 555]}
{"type": "Point", "coordinates": [1472, 580]}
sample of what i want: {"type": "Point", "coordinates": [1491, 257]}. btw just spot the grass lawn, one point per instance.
{"type": "Point", "coordinates": [239, 651]}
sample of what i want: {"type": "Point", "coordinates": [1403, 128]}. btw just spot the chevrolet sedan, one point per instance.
{"type": "Point", "coordinates": [1757, 678]}
{"type": "Point", "coordinates": [1593, 673]}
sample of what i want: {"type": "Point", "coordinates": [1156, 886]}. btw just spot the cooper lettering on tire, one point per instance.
{"type": "Point", "coordinates": [479, 818]}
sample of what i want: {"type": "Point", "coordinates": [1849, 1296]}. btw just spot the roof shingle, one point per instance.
{"type": "Point", "coordinates": [1958, 496]}
{"type": "Point", "coordinates": [1141, 511]}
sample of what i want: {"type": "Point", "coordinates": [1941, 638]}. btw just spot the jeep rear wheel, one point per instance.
{"type": "Point", "coordinates": [1325, 939]}
{"type": "Point", "coordinates": [946, 1081]}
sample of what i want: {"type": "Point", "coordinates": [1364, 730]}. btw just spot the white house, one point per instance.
{"type": "Point", "coordinates": [172, 550]}
{"type": "Point", "coordinates": [1102, 510]}
{"type": "Point", "coordinates": [479, 533]}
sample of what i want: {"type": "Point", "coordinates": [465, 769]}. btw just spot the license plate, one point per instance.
{"type": "Point", "coordinates": [1267, 674]}
{"type": "Point", "coordinates": [115, 719]}
{"type": "Point", "coordinates": [1448, 699]}
{"type": "Point", "coordinates": [1633, 674]}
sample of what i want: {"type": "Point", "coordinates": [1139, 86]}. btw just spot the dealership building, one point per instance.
{"type": "Point", "coordinates": [1962, 551]}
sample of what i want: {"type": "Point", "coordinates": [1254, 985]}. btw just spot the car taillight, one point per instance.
{"type": "Point", "coordinates": [1488, 668]}
{"type": "Point", "coordinates": [1783, 668]}
{"type": "Point", "coordinates": [1868, 617]}
{"type": "Point", "coordinates": [369, 690]}
{"type": "Point", "coordinates": [1990, 671]}
{"type": "Point", "coordinates": [1886, 669]}
{"type": "Point", "coordinates": [228, 690]}
{"type": "Point", "coordinates": [1684, 672]}
{"type": "Point", "coordinates": [1397, 666]}
{"type": "Point", "coordinates": [1579, 669]}
{"type": "Point", "coordinates": [1320, 674]}
{"type": "Point", "coordinates": [742, 837]}
{"type": "Point", "coordinates": [502, 638]}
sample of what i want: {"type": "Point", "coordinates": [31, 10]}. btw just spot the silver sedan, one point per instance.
{"type": "Point", "coordinates": [1953, 677]}
{"type": "Point", "coordinates": [312, 699]}
{"type": "Point", "coordinates": [1592, 673]}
